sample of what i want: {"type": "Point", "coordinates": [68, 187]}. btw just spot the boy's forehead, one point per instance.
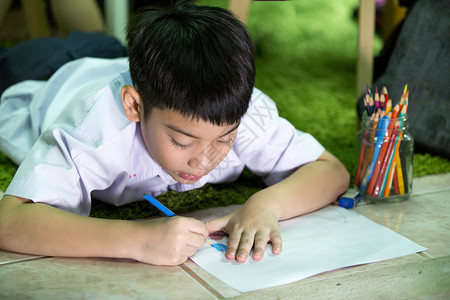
{"type": "Point", "coordinates": [177, 121]}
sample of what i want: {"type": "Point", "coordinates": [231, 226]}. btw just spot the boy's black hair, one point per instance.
{"type": "Point", "coordinates": [196, 60]}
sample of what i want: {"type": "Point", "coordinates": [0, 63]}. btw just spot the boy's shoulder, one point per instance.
{"type": "Point", "coordinates": [84, 92]}
{"type": "Point", "coordinates": [262, 112]}
{"type": "Point", "coordinates": [259, 122]}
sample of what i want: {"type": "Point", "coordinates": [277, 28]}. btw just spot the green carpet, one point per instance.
{"type": "Point", "coordinates": [306, 61]}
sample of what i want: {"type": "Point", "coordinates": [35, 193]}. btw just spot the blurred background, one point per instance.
{"type": "Point", "coordinates": [306, 57]}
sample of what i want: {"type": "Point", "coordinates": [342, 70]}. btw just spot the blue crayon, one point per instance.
{"type": "Point", "coordinates": [159, 205]}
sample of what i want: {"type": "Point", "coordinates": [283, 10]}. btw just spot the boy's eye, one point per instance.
{"type": "Point", "coordinates": [227, 142]}
{"type": "Point", "coordinates": [178, 145]}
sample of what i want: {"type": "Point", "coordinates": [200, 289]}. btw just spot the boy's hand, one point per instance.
{"type": "Point", "coordinates": [249, 227]}
{"type": "Point", "coordinates": [170, 241]}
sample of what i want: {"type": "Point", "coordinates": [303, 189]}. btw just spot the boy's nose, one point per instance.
{"type": "Point", "coordinates": [206, 160]}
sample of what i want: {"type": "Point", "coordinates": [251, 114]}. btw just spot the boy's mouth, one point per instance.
{"type": "Point", "coordinates": [190, 177]}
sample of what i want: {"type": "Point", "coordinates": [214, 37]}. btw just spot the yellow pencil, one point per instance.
{"type": "Point", "coordinates": [401, 185]}
{"type": "Point", "coordinates": [388, 106]}
{"type": "Point", "coordinates": [387, 189]}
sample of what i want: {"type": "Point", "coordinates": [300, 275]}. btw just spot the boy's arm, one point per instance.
{"type": "Point", "coordinates": [40, 229]}
{"type": "Point", "coordinates": [312, 186]}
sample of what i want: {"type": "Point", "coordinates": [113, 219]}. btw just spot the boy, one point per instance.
{"type": "Point", "coordinates": [184, 114]}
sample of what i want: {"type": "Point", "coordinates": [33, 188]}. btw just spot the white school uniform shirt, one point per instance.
{"type": "Point", "coordinates": [74, 142]}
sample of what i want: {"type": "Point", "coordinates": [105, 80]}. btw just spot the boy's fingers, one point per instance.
{"type": "Point", "coordinates": [233, 243]}
{"type": "Point", "coordinates": [245, 246]}
{"type": "Point", "coordinates": [275, 238]}
{"type": "Point", "coordinates": [260, 245]}
{"type": "Point", "coordinates": [217, 224]}
{"type": "Point", "coordinates": [196, 226]}
{"type": "Point", "coordinates": [190, 251]}
{"type": "Point", "coordinates": [196, 241]}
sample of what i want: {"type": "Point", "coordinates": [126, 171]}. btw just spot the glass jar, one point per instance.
{"type": "Point", "coordinates": [385, 159]}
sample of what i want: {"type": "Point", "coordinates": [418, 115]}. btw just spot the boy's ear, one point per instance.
{"type": "Point", "coordinates": [131, 103]}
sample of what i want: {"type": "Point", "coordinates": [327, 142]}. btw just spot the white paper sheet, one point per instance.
{"type": "Point", "coordinates": [330, 238]}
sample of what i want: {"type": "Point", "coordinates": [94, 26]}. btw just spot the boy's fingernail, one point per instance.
{"type": "Point", "coordinates": [258, 253]}
{"type": "Point", "coordinates": [241, 255]}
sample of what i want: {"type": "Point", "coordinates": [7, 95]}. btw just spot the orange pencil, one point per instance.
{"type": "Point", "coordinates": [378, 189]}
{"type": "Point", "coordinates": [395, 174]}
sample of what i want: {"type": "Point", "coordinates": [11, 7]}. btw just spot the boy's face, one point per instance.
{"type": "Point", "coordinates": [184, 147]}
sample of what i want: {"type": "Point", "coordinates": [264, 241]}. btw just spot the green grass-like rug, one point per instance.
{"type": "Point", "coordinates": [306, 61]}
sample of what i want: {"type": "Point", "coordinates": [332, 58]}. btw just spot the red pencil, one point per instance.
{"type": "Point", "coordinates": [382, 101]}
{"type": "Point", "coordinates": [381, 157]}
{"type": "Point", "coordinates": [385, 164]}
{"type": "Point", "coordinates": [376, 170]}
{"type": "Point", "coordinates": [385, 92]}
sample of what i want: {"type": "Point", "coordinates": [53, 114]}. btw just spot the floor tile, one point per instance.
{"type": "Point", "coordinates": [56, 278]}
{"type": "Point", "coordinates": [426, 279]}
{"type": "Point", "coordinates": [422, 219]}
{"type": "Point", "coordinates": [431, 183]}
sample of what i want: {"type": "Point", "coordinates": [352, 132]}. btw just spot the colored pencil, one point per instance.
{"type": "Point", "coordinates": [377, 99]}
{"type": "Point", "coordinates": [363, 150]}
{"type": "Point", "coordinates": [387, 163]}
{"type": "Point", "coordinates": [369, 151]}
{"type": "Point", "coordinates": [371, 105]}
{"type": "Point", "coordinates": [401, 185]}
{"type": "Point", "coordinates": [382, 154]}
{"type": "Point", "coordinates": [382, 127]}
{"type": "Point", "coordinates": [385, 92]}
{"type": "Point", "coordinates": [382, 101]}
{"type": "Point", "coordinates": [388, 106]}
{"type": "Point", "coordinates": [159, 205]}
{"type": "Point", "coordinates": [379, 169]}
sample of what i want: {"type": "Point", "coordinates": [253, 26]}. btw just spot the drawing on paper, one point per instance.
{"type": "Point", "coordinates": [219, 241]}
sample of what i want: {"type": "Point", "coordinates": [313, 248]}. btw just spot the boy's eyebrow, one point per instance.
{"type": "Point", "coordinates": [179, 130]}
{"type": "Point", "coordinates": [231, 130]}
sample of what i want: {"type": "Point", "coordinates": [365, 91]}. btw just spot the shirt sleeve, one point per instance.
{"type": "Point", "coordinates": [49, 175]}
{"type": "Point", "coordinates": [75, 156]}
{"type": "Point", "coordinates": [269, 145]}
